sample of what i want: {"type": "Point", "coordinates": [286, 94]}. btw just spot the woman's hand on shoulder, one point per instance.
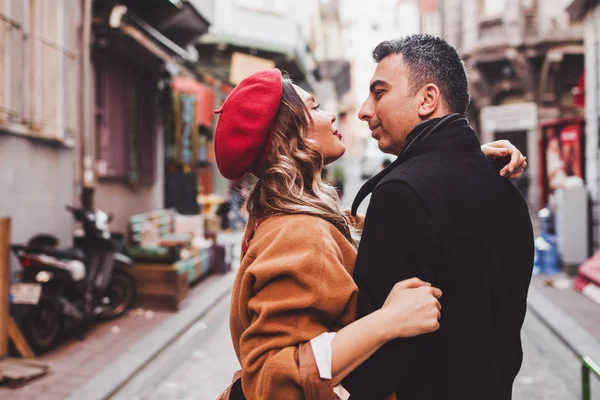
{"type": "Point", "coordinates": [504, 148]}
{"type": "Point", "coordinates": [357, 221]}
{"type": "Point", "coordinates": [412, 308]}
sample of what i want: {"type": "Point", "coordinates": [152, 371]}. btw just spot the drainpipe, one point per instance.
{"type": "Point", "coordinates": [87, 177]}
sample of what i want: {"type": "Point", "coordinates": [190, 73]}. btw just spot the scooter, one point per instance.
{"type": "Point", "coordinates": [59, 287]}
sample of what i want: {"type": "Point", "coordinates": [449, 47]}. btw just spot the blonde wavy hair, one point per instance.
{"type": "Point", "coordinates": [291, 181]}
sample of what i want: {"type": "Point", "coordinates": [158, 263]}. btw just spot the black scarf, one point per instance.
{"type": "Point", "coordinates": [420, 133]}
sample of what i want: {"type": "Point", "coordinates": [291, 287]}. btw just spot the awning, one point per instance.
{"type": "Point", "coordinates": [182, 21]}
{"type": "Point", "coordinates": [132, 25]}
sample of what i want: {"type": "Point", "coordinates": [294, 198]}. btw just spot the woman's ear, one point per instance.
{"type": "Point", "coordinates": [431, 100]}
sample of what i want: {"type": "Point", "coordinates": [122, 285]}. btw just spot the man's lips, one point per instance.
{"type": "Point", "coordinates": [373, 129]}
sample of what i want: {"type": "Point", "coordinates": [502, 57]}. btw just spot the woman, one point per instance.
{"type": "Point", "coordinates": [294, 286]}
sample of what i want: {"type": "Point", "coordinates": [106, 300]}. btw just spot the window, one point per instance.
{"type": "Point", "coordinates": [13, 25]}
{"type": "Point", "coordinates": [492, 8]}
{"type": "Point", "coordinates": [38, 60]}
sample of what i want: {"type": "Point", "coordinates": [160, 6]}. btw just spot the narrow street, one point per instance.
{"type": "Point", "coordinates": [200, 363]}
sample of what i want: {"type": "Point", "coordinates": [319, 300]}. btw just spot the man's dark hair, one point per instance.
{"type": "Point", "coordinates": [431, 59]}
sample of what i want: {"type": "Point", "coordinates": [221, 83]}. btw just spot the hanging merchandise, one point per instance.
{"type": "Point", "coordinates": [186, 131]}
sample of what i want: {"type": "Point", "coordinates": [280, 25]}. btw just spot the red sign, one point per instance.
{"type": "Point", "coordinates": [563, 154]}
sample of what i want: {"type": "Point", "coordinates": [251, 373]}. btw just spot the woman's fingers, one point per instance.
{"type": "Point", "coordinates": [492, 152]}
{"type": "Point", "coordinates": [514, 169]}
{"type": "Point", "coordinates": [412, 283]}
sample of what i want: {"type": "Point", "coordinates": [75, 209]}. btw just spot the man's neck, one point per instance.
{"type": "Point", "coordinates": [439, 113]}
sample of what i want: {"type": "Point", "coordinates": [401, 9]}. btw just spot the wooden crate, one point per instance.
{"type": "Point", "coordinates": [159, 285]}
{"type": "Point", "coordinates": [167, 285]}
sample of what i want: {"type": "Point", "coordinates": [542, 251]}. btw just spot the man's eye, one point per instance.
{"type": "Point", "coordinates": [378, 94]}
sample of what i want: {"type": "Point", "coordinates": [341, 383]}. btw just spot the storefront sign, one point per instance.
{"type": "Point", "coordinates": [244, 65]}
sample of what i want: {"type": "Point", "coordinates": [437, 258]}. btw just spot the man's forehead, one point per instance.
{"type": "Point", "coordinates": [388, 69]}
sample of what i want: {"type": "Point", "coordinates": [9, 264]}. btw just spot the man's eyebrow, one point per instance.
{"type": "Point", "coordinates": [376, 83]}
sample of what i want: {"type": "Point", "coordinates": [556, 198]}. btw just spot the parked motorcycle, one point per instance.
{"type": "Point", "coordinates": [59, 287]}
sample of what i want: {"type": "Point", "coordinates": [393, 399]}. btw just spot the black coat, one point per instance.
{"type": "Point", "coordinates": [442, 213]}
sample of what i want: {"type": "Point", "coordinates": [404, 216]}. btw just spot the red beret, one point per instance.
{"type": "Point", "coordinates": [245, 127]}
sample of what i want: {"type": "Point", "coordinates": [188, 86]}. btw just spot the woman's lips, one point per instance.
{"type": "Point", "coordinates": [337, 134]}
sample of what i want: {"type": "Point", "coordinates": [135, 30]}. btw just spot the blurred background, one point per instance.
{"type": "Point", "coordinates": [108, 105]}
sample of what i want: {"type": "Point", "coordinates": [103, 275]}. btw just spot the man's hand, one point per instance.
{"type": "Point", "coordinates": [503, 148]}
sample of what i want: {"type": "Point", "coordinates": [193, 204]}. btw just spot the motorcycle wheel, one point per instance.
{"type": "Point", "coordinates": [120, 295]}
{"type": "Point", "coordinates": [41, 326]}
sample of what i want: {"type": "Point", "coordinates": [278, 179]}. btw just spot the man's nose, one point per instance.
{"type": "Point", "coordinates": [366, 111]}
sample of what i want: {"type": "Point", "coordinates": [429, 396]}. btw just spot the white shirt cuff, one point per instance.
{"type": "Point", "coordinates": [321, 346]}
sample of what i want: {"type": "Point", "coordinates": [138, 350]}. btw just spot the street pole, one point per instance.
{"type": "Point", "coordinates": [87, 108]}
{"type": "Point", "coordinates": [4, 284]}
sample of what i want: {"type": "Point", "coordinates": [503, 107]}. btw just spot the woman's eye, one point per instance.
{"type": "Point", "coordinates": [316, 106]}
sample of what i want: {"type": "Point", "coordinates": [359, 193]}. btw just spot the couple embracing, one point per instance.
{"type": "Point", "coordinates": [430, 304]}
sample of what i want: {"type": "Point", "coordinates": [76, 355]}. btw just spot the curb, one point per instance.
{"type": "Point", "coordinates": [568, 331]}
{"type": "Point", "coordinates": [115, 375]}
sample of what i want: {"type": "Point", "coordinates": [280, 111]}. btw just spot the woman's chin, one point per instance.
{"type": "Point", "coordinates": [334, 157]}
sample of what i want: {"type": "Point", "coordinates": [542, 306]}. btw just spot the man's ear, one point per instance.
{"type": "Point", "coordinates": [431, 100]}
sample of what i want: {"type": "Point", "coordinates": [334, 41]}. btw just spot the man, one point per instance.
{"type": "Point", "coordinates": [442, 213]}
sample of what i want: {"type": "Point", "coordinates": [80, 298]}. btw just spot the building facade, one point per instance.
{"type": "Point", "coordinates": [39, 114]}
{"type": "Point", "coordinates": [138, 50]}
{"type": "Point", "coordinates": [525, 60]}
{"type": "Point", "coordinates": [80, 105]}
{"type": "Point", "coordinates": [588, 11]}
